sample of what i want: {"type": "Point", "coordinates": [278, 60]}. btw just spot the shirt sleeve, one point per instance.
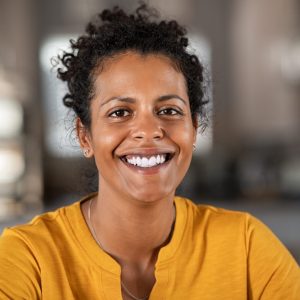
{"type": "Point", "coordinates": [19, 276]}
{"type": "Point", "coordinates": [272, 271]}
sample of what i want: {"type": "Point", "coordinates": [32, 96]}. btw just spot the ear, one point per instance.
{"type": "Point", "coordinates": [84, 138]}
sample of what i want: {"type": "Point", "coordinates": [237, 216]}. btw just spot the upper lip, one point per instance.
{"type": "Point", "coordinates": [146, 151]}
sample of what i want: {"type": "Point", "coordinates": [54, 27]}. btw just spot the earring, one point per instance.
{"type": "Point", "coordinates": [86, 152]}
{"type": "Point", "coordinates": [194, 147]}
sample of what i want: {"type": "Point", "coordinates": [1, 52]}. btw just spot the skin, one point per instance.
{"type": "Point", "coordinates": [140, 107]}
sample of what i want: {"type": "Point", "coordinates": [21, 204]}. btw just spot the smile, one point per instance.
{"type": "Point", "coordinates": [143, 161]}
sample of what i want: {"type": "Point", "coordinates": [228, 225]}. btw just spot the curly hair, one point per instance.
{"type": "Point", "coordinates": [115, 32]}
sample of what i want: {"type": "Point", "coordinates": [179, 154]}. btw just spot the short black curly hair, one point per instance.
{"type": "Point", "coordinates": [116, 32]}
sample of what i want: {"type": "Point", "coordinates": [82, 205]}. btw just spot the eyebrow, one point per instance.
{"type": "Point", "coordinates": [133, 100]}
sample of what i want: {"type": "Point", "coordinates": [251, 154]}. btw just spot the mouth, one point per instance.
{"type": "Point", "coordinates": [147, 161]}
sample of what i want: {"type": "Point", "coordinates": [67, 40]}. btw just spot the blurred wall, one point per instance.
{"type": "Point", "coordinates": [266, 90]}
{"type": "Point", "coordinates": [21, 166]}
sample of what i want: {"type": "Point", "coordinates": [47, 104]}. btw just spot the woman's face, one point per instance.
{"type": "Point", "coordinates": [142, 132]}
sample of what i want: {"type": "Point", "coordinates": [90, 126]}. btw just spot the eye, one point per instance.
{"type": "Point", "coordinates": [119, 113]}
{"type": "Point", "coordinates": [169, 111]}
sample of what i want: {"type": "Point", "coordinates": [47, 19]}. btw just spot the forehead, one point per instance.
{"type": "Point", "coordinates": [132, 71]}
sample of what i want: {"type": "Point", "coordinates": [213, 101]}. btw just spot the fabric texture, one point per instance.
{"type": "Point", "coordinates": [213, 254]}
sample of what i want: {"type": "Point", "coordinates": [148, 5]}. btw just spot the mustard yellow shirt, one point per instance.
{"type": "Point", "coordinates": [213, 254]}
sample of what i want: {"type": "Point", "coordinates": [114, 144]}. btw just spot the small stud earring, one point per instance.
{"type": "Point", "coordinates": [86, 152]}
{"type": "Point", "coordinates": [194, 147]}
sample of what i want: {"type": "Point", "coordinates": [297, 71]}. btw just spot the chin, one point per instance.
{"type": "Point", "coordinates": [150, 197]}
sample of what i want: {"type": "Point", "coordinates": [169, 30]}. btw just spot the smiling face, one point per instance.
{"type": "Point", "coordinates": [142, 132]}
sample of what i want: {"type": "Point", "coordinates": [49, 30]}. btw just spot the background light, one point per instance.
{"type": "Point", "coordinates": [11, 118]}
{"type": "Point", "coordinates": [12, 165]}
{"type": "Point", "coordinates": [58, 119]}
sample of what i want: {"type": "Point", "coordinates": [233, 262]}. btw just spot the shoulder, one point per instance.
{"type": "Point", "coordinates": [209, 215]}
{"type": "Point", "coordinates": [25, 250]}
{"type": "Point", "coordinates": [37, 226]}
{"type": "Point", "coordinates": [42, 228]}
{"type": "Point", "coordinates": [241, 239]}
{"type": "Point", "coordinates": [227, 221]}
{"type": "Point", "coordinates": [234, 230]}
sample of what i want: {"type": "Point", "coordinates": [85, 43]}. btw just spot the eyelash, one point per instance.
{"type": "Point", "coordinates": [117, 111]}
{"type": "Point", "coordinates": [173, 111]}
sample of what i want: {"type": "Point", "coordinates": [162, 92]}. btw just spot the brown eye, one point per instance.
{"type": "Point", "coordinates": [169, 112]}
{"type": "Point", "coordinates": [120, 113]}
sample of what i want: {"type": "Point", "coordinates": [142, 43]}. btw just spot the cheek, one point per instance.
{"type": "Point", "coordinates": [105, 139]}
{"type": "Point", "coordinates": [186, 135]}
{"type": "Point", "coordinates": [104, 144]}
{"type": "Point", "coordinates": [185, 140]}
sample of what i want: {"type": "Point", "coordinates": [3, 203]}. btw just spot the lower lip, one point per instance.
{"type": "Point", "coordinates": [149, 170]}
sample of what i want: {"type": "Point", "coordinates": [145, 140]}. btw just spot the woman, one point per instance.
{"type": "Point", "coordinates": [138, 98]}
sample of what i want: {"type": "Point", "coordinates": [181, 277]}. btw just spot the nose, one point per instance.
{"type": "Point", "coordinates": [147, 128]}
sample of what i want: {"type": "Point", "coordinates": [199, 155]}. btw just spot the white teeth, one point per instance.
{"type": "Point", "coordinates": [152, 161]}
{"type": "Point", "coordinates": [145, 162]}
{"type": "Point", "coordinates": [134, 160]}
{"type": "Point", "coordinates": [158, 159]}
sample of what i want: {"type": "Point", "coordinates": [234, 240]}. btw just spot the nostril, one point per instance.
{"type": "Point", "coordinates": [138, 137]}
{"type": "Point", "coordinates": [147, 126]}
{"type": "Point", "coordinates": [148, 133]}
{"type": "Point", "coordinates": [157, 137]}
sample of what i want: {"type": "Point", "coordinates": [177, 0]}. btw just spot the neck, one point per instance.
{"type": "Point", "coordinates": [132, 231]}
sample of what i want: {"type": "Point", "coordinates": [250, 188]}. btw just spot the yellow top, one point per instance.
{"type": "Point", "coordinates": [213, 254]}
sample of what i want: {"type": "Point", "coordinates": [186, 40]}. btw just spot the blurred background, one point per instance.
{"type": "Point", "coordinates": [249, 157]}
